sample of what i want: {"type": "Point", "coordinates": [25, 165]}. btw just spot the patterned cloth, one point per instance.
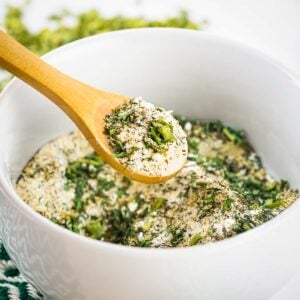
{"type": "Point", "coordinates": [13, 286]}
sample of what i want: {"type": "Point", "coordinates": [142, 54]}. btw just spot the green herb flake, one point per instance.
{"type": "Point", "coordinates": [246, 226]}
{"type": "Point", "coordinates": [269, 203]}
{"type": "Point", "coordinates": [112, 131]}
{"type": "Point", "coordinates": [79, 191]}
{"type": "Point", "coordinates": [73, 224]}
{"type": "Point", "coordinates": [147, 226]}
{"type": "Point", "coordinates": [193, 145]}
{"type": "Point", "coordinates": [161, 132]}
{"type": "Point", "coordinates": [195, 239]}
{"type": "Point", "coordinates": [234, 136]}
{"type": "Point", "coordinates": [95, 229]}
{"type": "Point", "coordinates": [226, 205]}
{"type": "Point", "coordinates": [167, 133]}
{"type": "Point", "coordinates": [105, 185]}
{"type": "Point", "coordinates": [158, 203]}
{"type": "Point", "coordinates": [121, 192]}
{"type": "Point", "coordinates": [154, 133]}
{"type": "Point", "coordinates": [177, 236]}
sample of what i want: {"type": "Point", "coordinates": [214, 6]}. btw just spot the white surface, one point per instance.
{"type": "Point", "coordinates": [237, 85]}
{"type": "Point", "coordinates": [270, 25]}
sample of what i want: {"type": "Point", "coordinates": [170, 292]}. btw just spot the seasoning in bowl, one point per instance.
{"type": "Point", "coordinates": [223, 190]}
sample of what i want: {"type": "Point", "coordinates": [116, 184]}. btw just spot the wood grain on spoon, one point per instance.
{"type": "Point", "coordinates": [84, 104]}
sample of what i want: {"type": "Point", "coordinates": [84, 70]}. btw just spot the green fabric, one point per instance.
{"type": "Point", "coordinates": [12, 283]}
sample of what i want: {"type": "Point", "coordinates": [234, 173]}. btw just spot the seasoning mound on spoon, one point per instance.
{"type": "Point", "coordinates": [146, 138]}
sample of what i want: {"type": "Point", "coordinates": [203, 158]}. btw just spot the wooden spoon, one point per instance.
{"type": "Point", "coordinates": [84, 104]}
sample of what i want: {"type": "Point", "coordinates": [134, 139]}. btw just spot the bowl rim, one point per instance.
{"type": "Point", "coordinates": [9, 192]}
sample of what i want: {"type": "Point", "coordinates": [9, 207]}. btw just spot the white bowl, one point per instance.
{"type": "Point", "coordinates": [196, 75]}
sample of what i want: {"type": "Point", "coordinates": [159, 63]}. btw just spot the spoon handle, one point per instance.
{"type": "Point", "coordinates": [63, 90]}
